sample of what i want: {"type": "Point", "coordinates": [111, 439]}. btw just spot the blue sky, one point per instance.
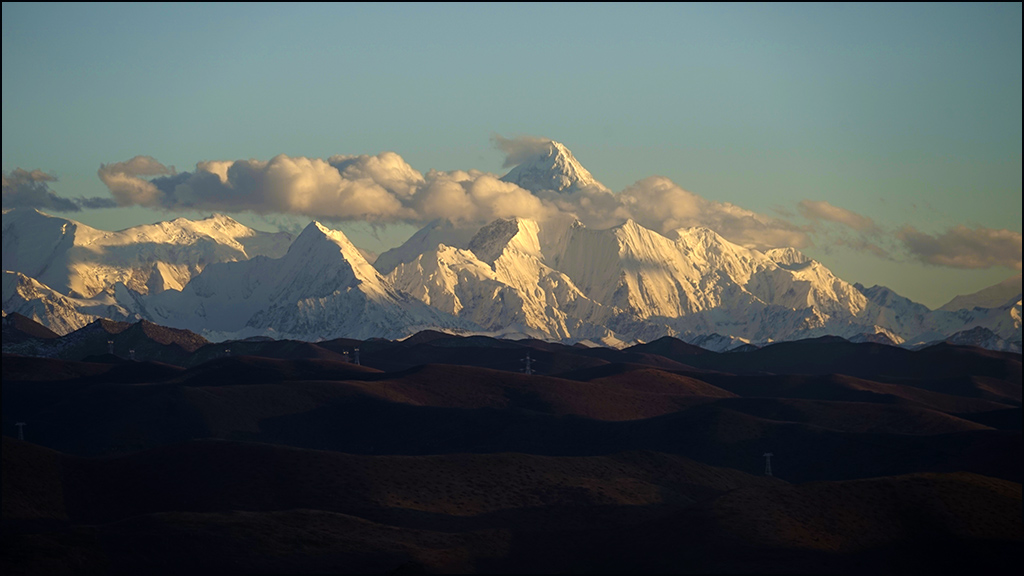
{"type": "Point", "coordinates": [908, 115]}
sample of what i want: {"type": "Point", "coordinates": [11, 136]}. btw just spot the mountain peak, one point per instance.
{"type": "Point", "coordinates": [789, 258]}
{"type": "Point", "coordinates": [34, 215]}
{"type": "Point", "coordinates": [554, 168]}
{"type": "Point", "coordinates": [441, 231]}
{"type": "Point", "coordinates": [221, 218]}
{"type": "Point", "coordinates": [696, 233]}
{"type": "Point", "coordinates": [315, 233]}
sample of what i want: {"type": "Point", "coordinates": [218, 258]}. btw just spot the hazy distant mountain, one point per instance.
{"type": "Point", "coordinates": [984, 338]}
{"type": "Point", "coordinates": [991, 297]}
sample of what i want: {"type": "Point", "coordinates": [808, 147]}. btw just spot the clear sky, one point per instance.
{"type": "Point", "coordinates": [890, 134]}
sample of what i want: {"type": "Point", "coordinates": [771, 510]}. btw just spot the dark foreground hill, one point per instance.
{"type": "Point", "coordinates": [439, 409]}
{"type": "Point", "coordinates": [212, 507]}
{"type": "Point", "coordinates": [610, 461]}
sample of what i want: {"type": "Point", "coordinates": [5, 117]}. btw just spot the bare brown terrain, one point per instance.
{"type": "Point", "coordinates": [439, 455]}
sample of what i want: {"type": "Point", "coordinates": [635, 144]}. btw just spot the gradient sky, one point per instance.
{"type": "Point", "coordinates": [909, 115]}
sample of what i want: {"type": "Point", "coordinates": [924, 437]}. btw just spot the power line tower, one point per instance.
{"type": "Point", "coordinates": [21, 430]}
{"type": "Point", "coordinates": [110, 347]}
{"type": "Point", "coordinates": [528, 367]}
{"type": "Point", "coordinates": [131, 353]}
{"type": "Point", "coordinates": [355, 356]}
{"type": "Point", "coordinates": [768, 463]}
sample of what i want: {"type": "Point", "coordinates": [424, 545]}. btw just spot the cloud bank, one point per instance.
{"type": "Point", "coordinates": [31, 189]}
{"type": "Point", "coordinates": [963, 247]}
{"type": "Point", "coordinates": [384, 189]}
{"type": "Point", "coordinates": [378, 189]}
{"type": "Point", "coordinates": [660, 203]}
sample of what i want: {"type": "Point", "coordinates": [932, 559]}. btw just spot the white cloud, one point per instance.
{"type": "Point", "coordinates": [476, 197]}
{"type": "Point", "coordinates": [368, 188]}
{"type": "Point", "coordinates": [379, 189]}
{"type": "Point", "coordinates": [386, 169]}
{"type": "Point", "coordinates": [384, 189]}
{"type": "Point", "coordinates": [125, 182]}
{"type": "Point", "coordinates": [661, 204]}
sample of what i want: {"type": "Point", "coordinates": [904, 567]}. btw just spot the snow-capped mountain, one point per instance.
{"type": "Point", "coordinates": [631, 283]}
{"type": "Point", "coordinates": [33, 299]}
{"type": "Point", "coordinates": [322, 288]}
{"type": "Point", "coordinates": [81, 262]}
{"type": "Point", "coordinates": [440, 231]}
{"type": "Point", "coordinates": [701, 283]}
{"type": "Point", "coordinates": [553, 169]}
{"type": "Point", "coordinates": [502, 284]}
{"type": "Point", "coordinates": [556, 279]}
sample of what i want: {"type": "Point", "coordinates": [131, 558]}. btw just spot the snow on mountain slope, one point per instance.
{"type": "Point", "coordinates": [788, 258]}
{"type": "Point", "coordinates": [991, 297]}
{"type": "Point", "coordinates": [814, 285]}
{"type": "Point", "coordinates": [900, 315]}
{"type": "Point", "coordinates": [1004, 321]}
{"type": "Point", "coordinates": [502, 284]}
{"type": "Point", "coordinates": [626, 267]}
{"type": "Point", "coordinates": [80, 261]}
{"type": "Point", "coordinates": [514, 277]}
{"type": "Point", "coordinates": [639, 271]}
{"type": "Point", "coordinates": [626, 280]}
{"type": "Point", "coordinates": [445, 276]}
{"type": "Point", "coordinates": [60, 313]}
{"type": "Point", "coordinates": [916, 324]}
{"type": "Point", "coordinates": [553, 169]}
{"type": "Point", "coordinates": [700, 283]}
{"type": "Point", "coordinates": [322, 288]}
{"type": "Point", "coordinates": [442, 231]}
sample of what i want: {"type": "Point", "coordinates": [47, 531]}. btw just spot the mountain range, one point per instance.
{"type": "Point", "coordinates": [555, 279]}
